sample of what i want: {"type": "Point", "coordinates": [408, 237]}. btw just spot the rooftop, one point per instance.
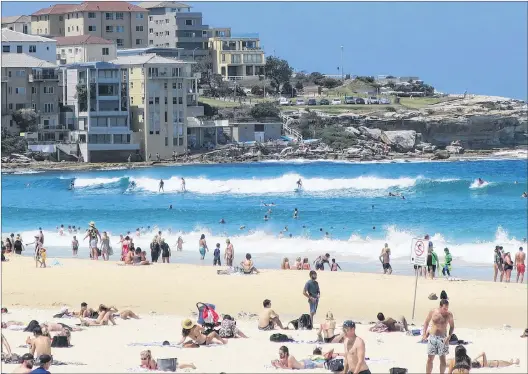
{"type": "Point", "coordinates": [90, 6]}
{"type": "Point", "coordinates": [15, 19]}
{"type": "Point", "coordinates": [145, 59]}
{"type": "Point", "coordinates": [145, 50]}
{"type": "Point", "coordinates": [163, 4]}
{"type": "Point", "coordinates": [17, 60]}
{"type": "Point", "coordinates": [15, 36]}
{"type": "Point", "coordinates": [81, 40]}
{"type": "Point", "coordinates": [93, 65]}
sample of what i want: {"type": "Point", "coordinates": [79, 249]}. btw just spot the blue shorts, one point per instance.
{"type": "Point", "coordinates": [313, 305]}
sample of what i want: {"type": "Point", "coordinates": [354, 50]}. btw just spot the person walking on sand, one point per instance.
{"type": "Point", "coordinates": [438, 340]}
{"type": "Point", "coordinates": [498, 265]}
{"type": "Point", "coordinates": [202, 244]}
{"type": "Point", "coordinates": [432, 261]}
{"type": "Point", "coordinates": [93, 234]}
{"type": "Point", "coordinates": [354, 350]}
{"type": "Point", "coordinates": [313, 293]}
{"type": "Point", "coordinates": [105, 246]}
{"type": "Point", "coordinates": [384, 258]}
{"type": "Point", "coordinates": [229, 253]}
{"type": "Point", "coordinates": [520, 257]}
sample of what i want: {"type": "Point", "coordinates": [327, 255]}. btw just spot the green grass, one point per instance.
{"type": "Point", "coordinates": [218, 103]}
{"type": "Point", "coordinates": [421, 102]}
{"type": "Point", "coordinates": [338, 109]}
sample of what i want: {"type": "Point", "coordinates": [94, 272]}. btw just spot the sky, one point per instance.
{"type": "Point", "coordinates": [480, 47]}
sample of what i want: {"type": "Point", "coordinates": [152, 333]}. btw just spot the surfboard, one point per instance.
{"type": "Point", "coordinates": [297, 190]}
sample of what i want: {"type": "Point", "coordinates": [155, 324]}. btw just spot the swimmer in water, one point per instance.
{"type": "Point", "coordinates": [161, 183]}
{"type": "Point", "coordinates": [242, 227]}
{"type": "Point", "coordinates": [222, 221]}
{"type": "Point", "coordinates": [170, 206]}
{"type": "Point", "coordinates": [183, 185]}
{"type": "Point", "coordinates": [480, 181]}
{"type": "Point", "coordinates": [265, 218]}
{"type": "Point", "coordinates": [525, 195]}
{"type": "Point", "coordinates": [72, 184]}
{"type": "Point", "coordinates": [299, 184]}
{"type": "Point", "coordinates": [295, 213]}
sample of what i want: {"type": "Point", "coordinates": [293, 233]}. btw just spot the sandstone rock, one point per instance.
{"type": "Point", "coordinates": [402, 141]}
{"type": "Point", "coordinates": [441, 155]}
{"type": "Point", "coordinates": [352, 130]}
{"type": "Point", "coordinates": [426, 147]}
{"type": "Point", "coordinates": [370, 133]}
{"type": "Point", "coordinates": [455, 149]}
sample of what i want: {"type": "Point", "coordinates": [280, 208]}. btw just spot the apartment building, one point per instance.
{"type": "Point", "coordinates": [28, 82]}
{"type": "Point", "coordinates": [173, 25]}
{"type": "Point", "coordinates": [17, 23]}
{"type": "Point", "coordinates": [237, 57]}
{"type": "Point", "coordinates": [100, 118]}
{"type": "Point", "coordinates": [32, 45]}
{"type": "Point", "coordinates": [158, 94]}
{"type": "Point", "coordinates": [84, 48]}
{"type": "Point", "coordinates": [118, 21]}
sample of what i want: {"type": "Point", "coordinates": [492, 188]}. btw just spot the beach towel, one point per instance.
{"type": "Point", "coordinates": [379, 327]}
{"type": "Point", "coordinates": [451, 279]}
{"type": "Point", "coordinates": [153, 344]}
{"type": "Point", "coordinates": [16, 328]}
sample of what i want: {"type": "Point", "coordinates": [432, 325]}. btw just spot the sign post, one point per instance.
{"type": "Point", "coordinates": [418, 258]}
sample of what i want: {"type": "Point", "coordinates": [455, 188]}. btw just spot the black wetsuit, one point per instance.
{"type": "Point", "coordinates": [18, 247]}
{"type": "Point", "coordinates": [165, 250]}
{"type": "Point", "coordinates": [154, 251]}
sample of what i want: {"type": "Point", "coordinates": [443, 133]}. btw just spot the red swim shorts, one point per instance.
{"type": "Point", "coordinates": [521, 268]}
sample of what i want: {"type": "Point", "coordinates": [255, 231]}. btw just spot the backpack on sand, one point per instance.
{"type": "Point", "coordinates": [207, 314]}
{"type": "Point", "coordinates": [335, 365]}
{"type": "Point", "coordinates": [280, 338]}
{"type": "Point", "coordinates": [398, 371]}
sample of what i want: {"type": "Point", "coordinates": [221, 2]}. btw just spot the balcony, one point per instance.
{"type": "Point", "coordinates": [108, 79]}
{"type": "Point", "coordinates": [195, 111]}
{"type": "Point", "coordinates": [108, 97]}
{"type": "Point", "coordinates": [162, 75]}
{"type": "Point", "coordinates": [83, 80]}
{"type": "Point", "coordinates": [5, 78]}
{"type": "Point", "coordinates": [43, 77]}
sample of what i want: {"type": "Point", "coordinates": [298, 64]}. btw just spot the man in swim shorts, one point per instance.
{"type": "Point", "coordinates": [268, 319]}
{"type": "Point", "coordinates": [286, 361]}
{"type": "Point", "coordinates": [520, 257]}
{"type": "Point", "coordinates": [438, 341]}
{"type": "Point", "coordinates": [354, 351]}
{"type": "Point", "coordinates": [385, 259]}
{"type": "Point", "coordinates": [93, 234]}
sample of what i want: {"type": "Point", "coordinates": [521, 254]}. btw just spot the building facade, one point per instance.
{"type": "Point", "coordinates": [14, 42]}
{"type": "Point", "coordinates": [158, 95]}
{"type": "Point", "coordinates": [237, 57]}
{"type": "Point", "coordinates": [100, 117]}
{"type": "Point", "coordinates": [173, 25]}
{"type": "Point", "coordinates": [30, 83]}
{"type": "Point", "coordinates": [84, 48]}
{"type": "Point", "coordinates": [17, 23]}
{"type": "Point", "coordinates": [118, 21]}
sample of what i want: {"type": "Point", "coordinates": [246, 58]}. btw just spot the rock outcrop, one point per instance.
{"type": "Point", "coordinates": [402, 141]}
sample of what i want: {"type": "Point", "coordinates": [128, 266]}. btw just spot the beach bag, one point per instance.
{"type": "Point", "coordinates": [60, 342]}
{"type": "Point", "coordinates": [207, 314]}
{"type": "Point", "coordinates": [335, 365]}
{"type": "Point", "coordinates": [305, 322]}
{"type": "Point", "coordinates": [280, 338]}
{"type": "Point", "coordinates": [398, 371]}
{"type": "Point", "coordinates": [167, 364]}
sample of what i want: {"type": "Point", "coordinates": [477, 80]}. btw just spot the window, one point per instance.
{"type": "Point", "coordinates": [151, 31]}
{"type": "Point", "coordinates": [34, 106]}
{"type": "Point", "coordinates": [9, 91]}
{"type": "Point", "coordinates": [92, 28]}
{"type": "Point", "coordinates": [48, 108]}
{"type": "Point", "coordinates": [174, 100]}
{"type": "Point", "coordinates": [20, 73]}
{"type": "Point", "coordinates": [151, 42]}
{"type": "Point", "coordinates": [46, 31]}
{"type": "Point", "coordinates": [32, 49]}
{"type": "Point", "coordinates": [173, 85]}
{"type": "Point", "coordinates": [99, 138]}
{"type": "Point", "coordinates": [167, 33]}
{"type": "Point", "coordinates": [166, 142]}
{"type": "Point", "coordinates": [139, 41]}
{"type": "Point", "coordinates": [139, 28]}
{"type": "Point", "coordinates": [6, 48]}
{"type": "Point", "coordinates": [156, 100]}
{"type": "Point", "coordinates": [77, 51]}
{"type": "Point", "coordinates": [119, 15]}
{"type": "Point", "coordinates": [70, 50]}
{"type": "Point", "coordinates": [131, 84]}
{"type": "Point", "coordinates": [109, 16]}
{"type": "Point", "coordinates": [77, 28]}
{"type": "Point", "coordinates": [132, 100]}
{"type": "Point", "coordinates": [167, 20]}
{"type": "Point", "coordinates": [106, 51]}
{"type": "Point", "coordinates": [180, 100]}
{"type": "Point", "coordinates": [20, 90]}
{"type": "Point", "coordinates": [109, 28]}
{"type": "Point", "coordinates": [223, 57]}
{"type": "Point", "coordinates": [120, 42]}
{"type": "Point", "coordinates": [151, 100]}
{"type": "Point", "coordinates": [150, 18]}
{"type": "Point", "coordinates": [91, 15]}
{"type": "Point", "coordinates": [140, 16]}
{"type": "Point", "coordinates": [68, 16]}
{"type": "Point", "coordinates": [176, 72]}
{"type": "Point", "coordinates": [19, 49]}
{"type": "Point", "coordinates": [189, 22]}
{"type": "Point", "coordinates": [19, 106]}
{"type": "Point", "coordinates": [143, 100]}
{"type": "Point", "coordinates": [10, 105]}
{"type": "Point", "coordinates": [68, 28]}
{"type": "Point", "coordinates": [204, 34]}
{"type": "Point", "coordinates": [180, 85]}
{"type": "Point", "coordinates": [174, 141]}
{"type": "Point", "coordinates": [76, 15]}
{"type": "Point", "coordinates": [61, 18]}
{"type": "Point", "coordinates": [120, 28]}
{"type": "Point", "coordinates": [235, 59]}
{"type": "Point", "coordinates": [165, 85]}
{"type": "Point", "coordinates": [259, 128]}
{"type": "Point", "coordinates": [48, 90]}
{"type": "Point", "coordinates": [33, 90]}
{"type": "Point", "coordinates": [180, 141]}
{"type": "Point", "coordinates": [121, 139]}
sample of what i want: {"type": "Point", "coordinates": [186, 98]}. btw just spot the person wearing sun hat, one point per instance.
{"type": "Point", "coordinates": [93, 234]}
{"type": "Point", "coordinates": [355, 350]}
{"type": "Point", "coordinates": [195, 332]}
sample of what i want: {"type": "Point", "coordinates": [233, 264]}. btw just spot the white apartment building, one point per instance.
{"type": "Point", "coordinates": [17, 23]}
{"type": "Point", "coordinates": [32, 45]}
{"type": "Point", "coordinates": [84, 48]}
{"type": "Point", "coordinates": [98, 94]}
{"type": "Point", "coordinates": [158, 90]}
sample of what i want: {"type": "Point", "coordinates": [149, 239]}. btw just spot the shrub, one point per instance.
{"type": "Point", "coordinates": [264, 110]}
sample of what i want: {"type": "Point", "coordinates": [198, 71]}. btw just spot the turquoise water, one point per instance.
{"type": "Point", "coordinates": [348, 200]}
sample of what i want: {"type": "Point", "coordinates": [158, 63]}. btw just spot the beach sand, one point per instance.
{"type": "Point", "coordinates": [171, 291]}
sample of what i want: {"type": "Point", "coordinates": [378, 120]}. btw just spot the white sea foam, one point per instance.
{"type": "Point", "coordinates": [90, 182]}
{"type": "Point", "coordinates": [476, 185]}
{"type": "Point", "coordinates": [517, 153]}
{"type": "Point", "coordinates": [260, 242]}
{"type": "Point", "coordinates": [23, 171]}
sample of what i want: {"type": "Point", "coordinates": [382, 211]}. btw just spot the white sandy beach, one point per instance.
{"type": "Point", "coordinates": [171, 291]}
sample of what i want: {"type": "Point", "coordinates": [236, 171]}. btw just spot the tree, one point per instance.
{"type": "Point", "coordinates": [209, 110]}
{"type": "Point", "coordinates": [26, 119]}
{"type": "Point", "coordinates": [287, 90]}
{"type": "Point", "coordinates": [264, 110]}
{"type": "Point", "coordinates": [13, 144]}
{"type": "Point", "coordinates": [299, 86]}
{"type": "Point", "coordinates": [330, 83]}
{"type": "Point", "coordinates": [257, 91]}
{"type": "Point", "coordinates": [316, 78]}
{"type": "Point", "coordinates": [278, 71]}
{"type": "Point", "coordinates": [204, 66]}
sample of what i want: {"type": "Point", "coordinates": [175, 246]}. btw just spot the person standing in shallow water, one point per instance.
{"type": "Point", "coordinates": [202, 244]}
{"type": "Point", "coordinates": [229, 253]}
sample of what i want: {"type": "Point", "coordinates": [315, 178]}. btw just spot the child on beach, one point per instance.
{"type": "Point", "coordinates": [75, 246]}
{"type": "Point", "coordinates": [40, 257]}
{"type": "Point", "coordinates": [334, 265]}
{"type": "Point", "coordinates": [179, 245]}
{"type": "Point", "coordinates": [216, 254]}
{"type": "Point", "coordinates": [446, 268]}
{"type": "Point", "coordinates": [306, 264]}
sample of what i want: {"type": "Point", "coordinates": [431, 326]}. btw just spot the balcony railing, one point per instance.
{"type": "Point", "coordinates": [43, 77]}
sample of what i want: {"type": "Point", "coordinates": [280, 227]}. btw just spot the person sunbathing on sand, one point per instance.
{"type": "Point", "coordinates": [286, 361]}
{"type": "Point", "coordinates": [125, 314]}
{"type": "Point", "coordinates": [195, 332]}
{"type": "Point", "coordinates": [481, 361]}
{"type": "Point", "coordinates": [8, 324]}
{"type": "Point", "coordinates": [104, 316]}
{"type": "Point", "coordinates": [326, 331]}
{"type": "Point", "coordinates": [85, 312]}
{"type": "Point", "coordinates": [148, 362]}
{"type": "Point", "coordinates": [391, 324]}
{"type": "Point", "coordinates": [268, 319]}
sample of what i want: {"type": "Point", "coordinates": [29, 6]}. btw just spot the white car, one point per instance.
{"type": "Point", "coordinates": [336, 101]}
{"type": "Point", "coordinates": [300, 102]}
{"type": "Point", "coordinates": [284, 101]}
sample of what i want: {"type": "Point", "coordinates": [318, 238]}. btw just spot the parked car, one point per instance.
{"type": "Point", "coordinates": [350, 100]}
{"type": "Point", "coordinates": [300, 102]}
{"type": "Point", "coordinates": [324, 102]}
{"type": "Point", "coordinates": [336, 101]}
{"type": "Point", "coordinates": [360, 100]}
{"type": "Point", "coordinates": [312, 102]}
{"type": "Point", "coordinates": [384, 101]}
{"type": "Point", "coordinates": [373, 100]}
{"type": "Point", "coordinates": [284, 101]}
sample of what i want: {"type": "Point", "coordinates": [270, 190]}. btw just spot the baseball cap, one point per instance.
{"type": "Point", "coordinates": [348, 324]}
{"type": "Point", "coordinates": [26, 357]}
{"type": "Point", "coordinates": [44, 359]}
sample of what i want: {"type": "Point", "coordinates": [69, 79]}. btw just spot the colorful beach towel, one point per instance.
{"type": "Point", "coordinates": [153, 344]}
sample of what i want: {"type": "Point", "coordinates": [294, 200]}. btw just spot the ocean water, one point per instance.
{"type": "Point", "coordinates": [349, 201]}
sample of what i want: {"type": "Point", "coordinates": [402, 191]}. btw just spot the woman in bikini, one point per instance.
{"type": "Point", "coordinates": [125, 244]}
{"type": "Point", "coordinates": [105, 315]}
{"type": "Point", "coordinates": [285, 265]}
{"type": "Point", "coordinates": [481, 361]}
{"type": "Point", "coordinates": [202, 247]}
{"type": "Point", "coordinates": [462, 364]}
{"type": "Point", "coordinates": [148, 362]}
{"type": "Point", "coordinates": [195, 333]}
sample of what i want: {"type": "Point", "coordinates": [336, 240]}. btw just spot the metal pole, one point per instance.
{"type": "Point", "coordinates": [342, 75]}
{"type": "Point", "coordinates": [415, 287]}
{"type": "Point", "coordinates": [194, 51]}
